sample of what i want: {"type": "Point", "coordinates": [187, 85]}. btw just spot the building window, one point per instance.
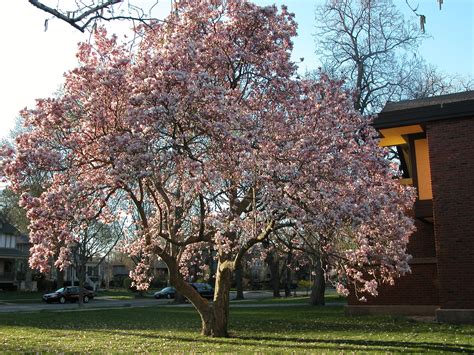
{"type": "Point", "coordinates": [7, 241]}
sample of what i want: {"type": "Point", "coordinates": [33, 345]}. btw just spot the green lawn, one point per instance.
{"type": "Point", "coordinates": [267, 329]}
{"type": "Point", "coordinates": [118, 294]}
{"type": "Point", "coordinates": [331, 297]}
{"type": "Point", "coordinates": [20, 297]}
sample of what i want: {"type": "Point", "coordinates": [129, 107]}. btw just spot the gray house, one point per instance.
{"type": "Point", "coordinates": [14, 252]}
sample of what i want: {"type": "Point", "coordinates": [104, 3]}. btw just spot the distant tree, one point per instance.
{"type": "Point", "coordinates": [12, 212]}
{"type": "Point", "coordinates": [428, 81]}
{"type": "Point", "coordinates": [374, 49]}
{"type": "Point", "coordinates": [92, 240]}
{"type": "Point", "coordinates": [272, 260]}
{"type": "Point", "coordinates": [370, 45]}
{"type": "Point", "coordinates": [239, 280]}
{"type": "Point", "coordinates": [9, 199]}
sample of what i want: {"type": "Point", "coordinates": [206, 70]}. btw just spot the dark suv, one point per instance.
{"type": "Point", "coordinates": [205, 290]}
{"type": "Point", "coordinates": [70, 293]}
{"type": "Point", "coordinates": [167, 292]}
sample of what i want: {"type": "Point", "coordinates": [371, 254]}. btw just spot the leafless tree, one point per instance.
{"type": "Point", "coordinates": [369, 44]}
{"type": "Point", "coordinates": [429, 81]}
{"type": "Point", "coordinates": [86, 14]}
{"type": "Point", "coordinates": [96, 241]}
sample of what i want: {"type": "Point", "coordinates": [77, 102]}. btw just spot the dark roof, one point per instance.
{"type": "Point", "coordinates": [7, 228]}
{"type": "Point", "coordinates": [22, 239]}
{"type": "Point", "coordinates": [12, 253]}
{"type": "Point", "coordinates": [408, 112]}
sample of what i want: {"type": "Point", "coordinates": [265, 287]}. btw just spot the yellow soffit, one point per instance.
{"type": "Point", "coordinates": [407, 181]}
{"type": "Point", "coordinates": [394, 136]}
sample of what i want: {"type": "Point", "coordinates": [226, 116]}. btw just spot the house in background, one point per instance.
{"type": "Point", "coordinates": [14, 252]}
{"type": "Point", "coordinates": [120, 265]}
{"type": "Point", "coordinates": [434, 138]}
{"type": "Point", "coordinates": [96, 274]}
{"type": "Point", "coordinates": [15, 273]}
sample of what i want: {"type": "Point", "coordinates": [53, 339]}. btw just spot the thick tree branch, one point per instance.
{"type": "Point", "coordinates": [74, 21]}
{"type": "Point", "coordinates": [258, 239]}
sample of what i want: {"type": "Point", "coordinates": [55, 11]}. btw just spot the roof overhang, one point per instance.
{"type": "Point", "coordinates": [422, 111]}
{"type": "Point", "coordinates": [397, 135]}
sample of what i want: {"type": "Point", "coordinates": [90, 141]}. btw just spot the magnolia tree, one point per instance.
{"type": "Point", "coordinates": [211, 142]}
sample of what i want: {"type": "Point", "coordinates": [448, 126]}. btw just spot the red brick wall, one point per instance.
{"type": "Point", "coordinates": [451, 145]}
{"type": "Point", "coordinates": [422, 242]}
{"type": "Point", "coordinates": [417, 288]}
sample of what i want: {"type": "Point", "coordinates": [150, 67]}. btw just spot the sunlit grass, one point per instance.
{"type": "Point", "coordinates": [267, 329]}
{"type": "Point", "coordinates": [302, 297]}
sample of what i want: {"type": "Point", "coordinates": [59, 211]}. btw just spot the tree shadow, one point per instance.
{"type": "Point", "coordinates": [311, 344]}
{"type": "Point", "coordinates": [375, 345]}
{"type": "Point", "coordinates": [312, 330]}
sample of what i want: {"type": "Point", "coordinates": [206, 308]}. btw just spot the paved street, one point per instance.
{"type": "Point", "coordinates": [104, 302]}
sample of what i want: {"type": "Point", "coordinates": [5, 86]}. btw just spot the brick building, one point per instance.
{"type": "Point", "coordinates": [434, 138]}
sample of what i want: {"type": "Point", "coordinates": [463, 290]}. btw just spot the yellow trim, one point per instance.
{"type": "Point", "coordinates": [399, 131]}
{"type": "Point", "coordinates": [391, 141]}
{"type": "Point", "coordinates": [423, 169]}
{"type": "Point", "coordinates": [408, 181]}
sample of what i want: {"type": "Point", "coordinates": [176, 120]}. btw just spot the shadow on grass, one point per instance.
{"type": "Point", "coordinates": [383, 345]}
{"type": "Point", "coordinates": [293, 328]}
{"type": "Point", "coordinates": [273, 319]}
{"type": "Point", "coordinates": [309, 343]}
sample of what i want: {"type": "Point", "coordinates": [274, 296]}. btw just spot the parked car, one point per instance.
{"type": "Point", "coordinates": [70, 293]}
{"type": "Point", "coordinates": [205, 290]}
{"type": "Point", "coordinates": [167, 292]}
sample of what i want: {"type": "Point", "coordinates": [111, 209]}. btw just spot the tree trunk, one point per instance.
{"type": "Point", "coordinates": [272, 262]}
{"type": "Point", "coordinates": [319, 285]}
{"type": "Point", "coordinates": [214, 317]}
{"type": "Point", "coordinates": [239, 281]}
{"type": "Point", "coordinates": [59, 278]}
{"type": "Point", "coordinates": [82, 280]}
{"type": "Point", "coordinates": [215, 321]}
{"type": "Point", "coordinates": [288, 273]}
{"type": "Point", "coordinates": [179, 298]}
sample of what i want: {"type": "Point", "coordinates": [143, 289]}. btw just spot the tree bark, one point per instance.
{"type": "Point", "coordinates": [288, 273]}
{"type": "Point", "coordinates": [239, 281]}
{"type": "Point", "coordinates": [272, 262]}
{"type": "Point", "coordinates": [179, 298]}
{"type": "Point", "coordinates": [319, 284]}
{"type": "Point", "coordinates": [214, 316]}
{"type": "Point", "coordinates": [82, 280]}
{"type": "Point", "coordinates": [215, 322]}
{"type": "Point", "coordinates": [59, 278]}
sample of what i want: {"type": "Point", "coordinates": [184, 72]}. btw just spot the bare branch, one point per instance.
{"type": "Point", "coordinates": [88, 15]}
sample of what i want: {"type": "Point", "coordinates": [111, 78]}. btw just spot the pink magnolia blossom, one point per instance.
{"type": "Point", "coordinates": [205, 139]}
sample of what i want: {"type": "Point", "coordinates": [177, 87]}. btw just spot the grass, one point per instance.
{"type": "Point", "coordinates": [282, 300]}
{"type": "Point", "coordinates": [331, 297]}
{"type": "Point", "coordinates": [118, 294]}
{"type": "Point", "coordinates": [20, 297]}
{"type": "Point", "coordinates": [267, 329]}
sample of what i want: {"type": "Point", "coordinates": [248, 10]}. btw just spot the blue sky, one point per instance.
{"type": "Point", "coordinates": [450, 45]}
{"type": "Point", "coordinates": [33, 61]}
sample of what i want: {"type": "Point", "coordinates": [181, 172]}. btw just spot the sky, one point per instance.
{"type": "Point", "coordinates": [33, 61]}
